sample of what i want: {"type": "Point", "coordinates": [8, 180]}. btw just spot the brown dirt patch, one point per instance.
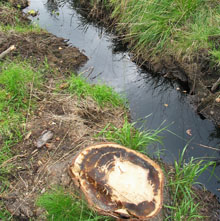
{"type": "Point", "coordinates": [73, 123]}
{"type": "Point", "coordinates": [209, 205]}
{"type": "Point", "coordinates": [38, 46]}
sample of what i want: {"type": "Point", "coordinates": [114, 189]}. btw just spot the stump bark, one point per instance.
{"type": "Point", "coordinates": [118, 181]}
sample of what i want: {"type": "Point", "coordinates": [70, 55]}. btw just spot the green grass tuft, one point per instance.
{"type": "Point", "coordinates": [4, 214]}
{"type": "Point", "coordinates": [102, 94]}
{"type": "Point", "coordinates": [16, 81]}
{"type": "Point", "coordinates": [61, 205]}
{"type": "Point", "coordinates": [19, 28]}
{"type": "Point", "coordinates": [216, 56]}
{"type": "Point", "coordinates": [181, 182]}
{"type": "Point", "coordinates": [130, 136]}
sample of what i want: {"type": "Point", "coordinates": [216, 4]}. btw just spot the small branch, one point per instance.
{"type": "Point", "coordinates": [208, 147]}
{"type": "Point", "coordinates": [4, 53]}
{"type": "Point", "coordinates": [215, 85]}
{"type": "Point", "coordinates": [12, 159]}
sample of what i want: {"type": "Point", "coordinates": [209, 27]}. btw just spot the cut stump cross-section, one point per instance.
{"type": "Point", "coordinates": [118, 181]}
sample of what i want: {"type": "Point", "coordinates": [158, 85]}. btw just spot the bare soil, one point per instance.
{"type": "Point", "coordinates": [72, 123]}
{"type": "Point", "coordinates": [38, 46]}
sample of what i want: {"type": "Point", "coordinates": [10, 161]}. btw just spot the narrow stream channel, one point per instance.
{"type": "Point", "coordinates": [149, 96]}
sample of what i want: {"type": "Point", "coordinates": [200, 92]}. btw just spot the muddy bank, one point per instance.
{"type": "Point", "coordinates": [38, 46]}
{"type": "Point", "coordinates": [197, 73]}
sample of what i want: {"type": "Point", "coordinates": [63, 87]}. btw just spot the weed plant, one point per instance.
{"type": "Point", "coordinates": [181, 182]}
{"type": "Point", "coordinates": [61, 205]}
{"type": "Point", "coordinates": [102, 94]}
{"type": "Point", "coordinates": [130, 136]}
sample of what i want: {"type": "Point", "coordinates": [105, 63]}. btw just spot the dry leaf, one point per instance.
{"type": "Point", "coordinates": [64, 85]}
{"type": "Point", "coordinates": [49, 146]}
{"type": "Point", "coordinates": [28, 135]}
{"type": "Point", "coordinates": [189, 132]}
{"type": "Point", "coordinates": [39, 163]}
{"type": "Point", "coordinates": [57, 139]}
{"type": "Point", "coordinates": [217, 99]}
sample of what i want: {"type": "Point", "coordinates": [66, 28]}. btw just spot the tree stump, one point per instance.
{"type": "Point", "coordinates": [118, 181]}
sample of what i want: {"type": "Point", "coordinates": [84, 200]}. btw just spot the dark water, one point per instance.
{"type": "Point", "coordinates": [149, 96]}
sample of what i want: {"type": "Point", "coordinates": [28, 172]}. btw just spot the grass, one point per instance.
{"type": "Point", "coordinates": [4, 214]}
{"type": "Point", "coordinates": [21, 28]}
{"type": "Point", "coordinates": [11, 20]}
{"type": "Point", "coordinates": [174, 27]}
{"type": "Point", "coordinates": [16, 82]}
{"type": "Point", "coordinates": [216, 56]}
{"type": "Point", "coordinates": [130, 136]}
{"type": "Point", "coordinates": [62, 205]}
{"type": "Point", "coordinates": [102, 94]}
{"type": "Point", "coordinates": [17, 79]}
{"type": "Point", "coordinates": [181, 182]}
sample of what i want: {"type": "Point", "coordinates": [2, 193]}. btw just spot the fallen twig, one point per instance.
{"type": "Point", "coordinates": [4, 53]}
{"type": "Point", "coordinates": [11, 159]}
{"type": "Point", "coordinates": [215, 85]}
{"type": "Point", "coordinates": [208, 147]}
{"type": "Point", "coordinates": [3, 197]}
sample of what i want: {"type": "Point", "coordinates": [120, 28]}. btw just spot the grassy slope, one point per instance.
{"type": "Point", "coordinates": [176, 27]}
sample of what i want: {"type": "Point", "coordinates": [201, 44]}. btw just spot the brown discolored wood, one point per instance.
{"type": "Point", "coordinates": [118, 181]}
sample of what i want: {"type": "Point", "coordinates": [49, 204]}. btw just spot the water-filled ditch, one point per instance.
{"type": "Point", "coordinates": [148, 95]}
